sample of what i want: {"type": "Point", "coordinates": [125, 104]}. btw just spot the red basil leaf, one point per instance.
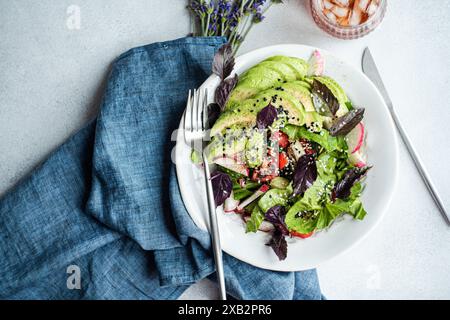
{"type": "Point", "coordinates": [266, 116]}
{"type": "Point", "coordinates": [343, 125]}
{"type": "Point", "coordinates": [223, 62]}
{"type": "Point", "coordinates": [224, 89]}
{"type": "Point", "coordinates": [278, 244]}
{"type": "Point", "coordinates": [343, 188]}
{"type": "Point", "coordinates": [276, 216]}
{"type": "Point", "coordinates": [305, 174]}
{"type": "Point", "coordinates": [214, 111]}
{"type": "Point", "coordinates": [324, 99]}
{"type": "Point", "coordinates": [222, 186]}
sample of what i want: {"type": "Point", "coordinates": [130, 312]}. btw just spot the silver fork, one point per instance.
{"type": "Point", "coordinates": [195, 126]}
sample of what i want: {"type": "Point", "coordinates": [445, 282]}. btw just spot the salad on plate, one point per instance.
{"type": "Point", "coordinates": [288, 146]}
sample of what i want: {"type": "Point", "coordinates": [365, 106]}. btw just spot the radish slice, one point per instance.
{"type": "Point", "coordinates": [263, 189]}
{"type": "Point", "coordinates": [355, 143]}
{"type": "Point", "coordinates": [296, 149]}
{"type": "Point", "coordinates": [316, 64]}
{"type": "Point", "coordinates": [230, 203]}
{"type": "Point", "coordinates": [360, 164]}
{"type": "Point", "coordinates": [232, 165]}
{"type": "Point", "coordinates": [355, 138]}
{"type": "Point", "coordinates": [357, 159]}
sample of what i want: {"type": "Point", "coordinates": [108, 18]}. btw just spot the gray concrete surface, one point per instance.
{"type": "Point", "coordinates": [52, 73]}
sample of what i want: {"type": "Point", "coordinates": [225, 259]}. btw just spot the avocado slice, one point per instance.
{"type": "Point", "coordinates": [337, 91]}
{"type": "Point", "coordinates": [244, 114]}
{"type": "Point", "coordinates": [261, 76]}
{"type": "Point", "coordinates": [239, 94]}
{"type": "Point", "coordinates": [309, 80]}
{"type": "Point", "coordinates": [227, 145]}
{"type": "Point", "coordinates": [288, 73]}
{"type": "Point", "coordinates": [282, 99]}
{"type": "Point", "coordinates": [314, 121]}
{"type": "Point", "coordinates": [304, 83]}
{"type": "Point", "coordinates": [300, 65]}
{"type": "Point", "coordinates": [254, 80]}
{"type": "Point", "coordinates": [255, 148]}
{"type": "Point", "coordinates": [268, 73]}
{"type": "Point", "coordinates": [300, 93]}
{"type": "Point", "coordinates": [233, 118]}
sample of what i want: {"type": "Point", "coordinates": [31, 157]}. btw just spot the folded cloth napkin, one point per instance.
{"type": "Point", "coordinates": [107, 201]}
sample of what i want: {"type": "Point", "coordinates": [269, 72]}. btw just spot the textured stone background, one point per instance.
{"type": "Point", "coordinates": [51, 76]}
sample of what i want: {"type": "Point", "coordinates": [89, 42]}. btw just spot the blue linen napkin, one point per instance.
{"type": "Point", "coordinates": [107, 201]}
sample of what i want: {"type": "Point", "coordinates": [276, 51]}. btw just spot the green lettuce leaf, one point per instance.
{"type": "Point", "coordinates": [256, 219]}
{"type": "Point", "coordinates": [323, 138]}
{"type": "Point", "coordinates": [274, 197]}
{"type": "Point", "coordinates": [352, 206]}
{"type": "Point", "coordinates": [315, 211]}
{"type": "Point", "coordinates": [310, 204]}
{"type": "Point", "coordinates": [300, 219]}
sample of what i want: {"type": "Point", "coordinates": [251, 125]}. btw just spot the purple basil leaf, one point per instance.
{"type": "Point", "coordinates": [276, 216]}
{"type": "Point", "coordinates": [323, 97]}
{"type": "Point", "coordinates": [278, 244]}
{"type": "Point", "coordinates": [305, 174]}
{"type": "Point", "coordinates": [343, 188]}
{"type": "Point", "coordinates": [223, 62]}
{"type": "Point", "coordinates": [222, 186]}
{"type": "Point", "coordinates": [214, 111]}
{"type": "Point", "coordinates": [266, 116]}
{"type": "Point", "coordinates": [343, 125]}
{"type": "Point", "coordinates": [224, 89]}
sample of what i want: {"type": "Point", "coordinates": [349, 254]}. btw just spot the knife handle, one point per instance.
{"type": "Point", "coordinates": [420, 167]}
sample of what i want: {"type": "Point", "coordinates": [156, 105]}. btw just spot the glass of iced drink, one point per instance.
{"type": "Point", "coordinates": [348, 19]}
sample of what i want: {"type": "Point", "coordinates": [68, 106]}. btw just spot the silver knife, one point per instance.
{"type": "Point", "coordinates": [371, 71]}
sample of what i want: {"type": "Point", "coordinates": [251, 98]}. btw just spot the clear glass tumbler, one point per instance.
{"type": "Point", "coordinates": [348, 19]}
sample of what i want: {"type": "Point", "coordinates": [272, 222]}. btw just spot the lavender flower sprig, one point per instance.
{"type": "Point", "coordinates": [232, 19]}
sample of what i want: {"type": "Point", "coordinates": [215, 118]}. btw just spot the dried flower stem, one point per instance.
{"type": "Point", "coordinates": [232, 19]}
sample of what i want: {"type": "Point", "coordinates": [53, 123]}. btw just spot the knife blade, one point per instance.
{"type": "Point", "coordinates": [370, 70]}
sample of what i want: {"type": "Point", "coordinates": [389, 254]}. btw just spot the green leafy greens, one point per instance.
{"type": "Point", "coordinates": [316, 210]}
{"type": "Point", "coordinates": [255, 220]}
{"type": "Point", "coordinates": [323, 138]}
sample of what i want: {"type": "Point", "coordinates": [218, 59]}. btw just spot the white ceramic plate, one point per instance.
{"type": "Point", "coordinates": [380, 183]}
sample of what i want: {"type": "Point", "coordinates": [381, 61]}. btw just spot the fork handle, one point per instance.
{"type": "Point", "coordinates": [214, 230]}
